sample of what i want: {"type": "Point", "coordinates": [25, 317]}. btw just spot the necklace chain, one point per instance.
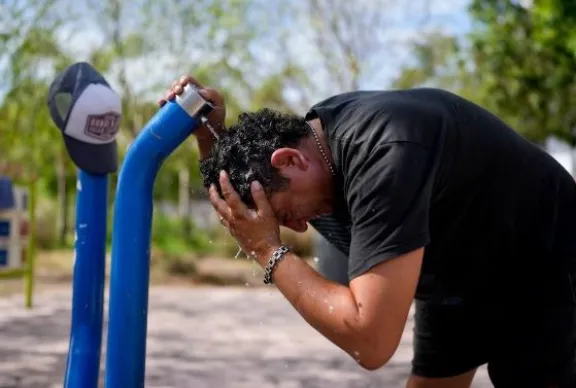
{"type": "Point", "coordinates": [321, 149]}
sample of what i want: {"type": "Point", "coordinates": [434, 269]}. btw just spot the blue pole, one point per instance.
{"type": "Point", "coordinates": [83, 363]}
{"type": "Point", "coordinates": [130, 271]}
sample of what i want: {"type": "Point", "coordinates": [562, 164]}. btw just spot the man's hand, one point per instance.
{"type": "Point", "coordinates": [216, 117]}
{"type": "Point", "coordinates": [257, 231]}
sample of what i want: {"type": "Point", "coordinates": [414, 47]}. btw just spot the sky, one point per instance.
{"type": "Point", "coordinates": [80, 36]}
{"type": "Point", "coordinates": [83, 35]}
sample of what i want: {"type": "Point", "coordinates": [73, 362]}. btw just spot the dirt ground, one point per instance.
{"type": "Point", "coordinates": [217, 337]}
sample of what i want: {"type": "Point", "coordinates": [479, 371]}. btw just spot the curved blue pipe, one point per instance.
{"type": "Point", "coordinates": [130, 272]}
{"type": "Point", "coordinates": [83, 363]}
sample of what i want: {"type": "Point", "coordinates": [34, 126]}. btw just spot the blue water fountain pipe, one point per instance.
{"type": "Point", "coordinates": [130, 271]}
{"type": "Point", "coordinates": [84, 351]}
{"type": "Point", "coordinates": [83, 362]}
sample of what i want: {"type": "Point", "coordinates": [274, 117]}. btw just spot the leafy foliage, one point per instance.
{"type": "Point", "coordinates": [519, 61]}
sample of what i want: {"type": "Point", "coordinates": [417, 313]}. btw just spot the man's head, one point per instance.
{"type": "Point", "coordinates": [277, 150]}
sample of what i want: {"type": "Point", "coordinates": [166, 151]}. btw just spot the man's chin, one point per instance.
{"type": "Point", "coordinates": [303, 230]}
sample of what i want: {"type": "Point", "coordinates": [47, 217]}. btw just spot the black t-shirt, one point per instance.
{"type": "Point", "coordinates": [426, 168]}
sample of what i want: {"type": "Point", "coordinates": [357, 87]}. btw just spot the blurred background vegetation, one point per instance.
{"type": "Point", "coordinates": [517, 58]}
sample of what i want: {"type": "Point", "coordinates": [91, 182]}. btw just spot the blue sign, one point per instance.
{"type": "Point", "coordinates": [5, 228]}
{"type": "Point", "coordinates": [3, 257]}
{"type": "Point", "coordinates": [6, 194]}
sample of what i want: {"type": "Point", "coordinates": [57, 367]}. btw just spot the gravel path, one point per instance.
{"type": "Point", "coordinates": [199, 337]}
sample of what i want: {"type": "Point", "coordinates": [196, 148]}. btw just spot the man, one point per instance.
{"type": "Point", "coordinates": [431, 198]}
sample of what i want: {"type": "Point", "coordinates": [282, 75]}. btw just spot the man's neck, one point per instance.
{"type": "Point", "coordinates": [317, 125]}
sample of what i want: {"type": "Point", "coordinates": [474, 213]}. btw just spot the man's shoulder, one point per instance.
{"type": "Point", "coordinates": [393, 97]}
{"type": "Point", "coordinates": [370, 118]}
{"type": "Point", "coordinates": [338, 102]}
{"type": "Point", "coordinates": [392, 106]}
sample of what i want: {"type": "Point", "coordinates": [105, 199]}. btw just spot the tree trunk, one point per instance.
{"type": "Point", "coordinates": [66, 213]}
{"type": "Point", "coordinates": [62, 201]}
{"type": "Point", "coordinates": [573, 158]}
{"type": "Point", "coordinates": [184, 200]}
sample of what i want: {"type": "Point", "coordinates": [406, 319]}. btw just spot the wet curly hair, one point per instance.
{"type": "Point", "coordinates": [244, 151]}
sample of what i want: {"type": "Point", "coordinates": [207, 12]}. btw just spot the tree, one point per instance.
{"type": "Point", "coordinates": [347, 44]}
{"type": "Point", "coordinates": [526, 58]}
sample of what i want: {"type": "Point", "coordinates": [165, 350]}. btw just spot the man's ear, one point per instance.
{"type": "Point", "coordinates": [288, 157]}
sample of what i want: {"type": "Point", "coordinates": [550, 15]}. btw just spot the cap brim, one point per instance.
{"type": "Point", "coordinates": [94, 159]}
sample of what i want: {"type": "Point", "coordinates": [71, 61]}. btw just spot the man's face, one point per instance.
{"type": "Point", "coordinates": [309, 195]}
{"type": "Point", "coordinates": [299, 204]}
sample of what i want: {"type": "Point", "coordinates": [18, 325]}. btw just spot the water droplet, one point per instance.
{"type": "Point", "coordinates": [238, 254]}
{"type": "Point", "coordinates": [247, 284]}
{"type": "Point", "coordinates": [253, 253]}
{"type": "Point", "coordinates": [316, 259]}
{"type": "Point", "coordinates": [78, 185]}
{"type": "Point", "coordinates": [331, 309]}
{"type": "Point", "coordinates": [82, 226]}
{"type": "Point", "coordinates": [210, 242]}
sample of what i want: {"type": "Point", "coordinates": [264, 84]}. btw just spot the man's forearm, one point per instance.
{"type": "Point", "coordinates": [327, 306]}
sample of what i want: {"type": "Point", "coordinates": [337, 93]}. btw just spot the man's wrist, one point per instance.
{"type": "Point", "coordinates": [206, 139]}
{"type": "Point", "coordinates": [270, 267]}
{"type": "Point", "coordinates": [205, 143]}
{"type": "Point", "coordinates": [262, 256]}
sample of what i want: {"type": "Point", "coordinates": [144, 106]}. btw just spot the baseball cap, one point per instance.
{"type": "Point", "coordinates": [88, 112]}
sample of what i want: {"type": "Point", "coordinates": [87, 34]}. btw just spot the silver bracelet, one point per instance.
{"type": "Point", "coordinates": [274, 259]}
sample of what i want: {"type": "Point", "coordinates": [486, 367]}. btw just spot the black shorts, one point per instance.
{"type": "Point", "coordinates": [523, 347]}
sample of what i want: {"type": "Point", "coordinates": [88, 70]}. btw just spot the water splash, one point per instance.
{"type": "Point", "coordinates": [238, 253]}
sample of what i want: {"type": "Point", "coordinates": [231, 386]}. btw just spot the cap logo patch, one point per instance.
{"type": "Point", "coordinates": [102, 127]}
